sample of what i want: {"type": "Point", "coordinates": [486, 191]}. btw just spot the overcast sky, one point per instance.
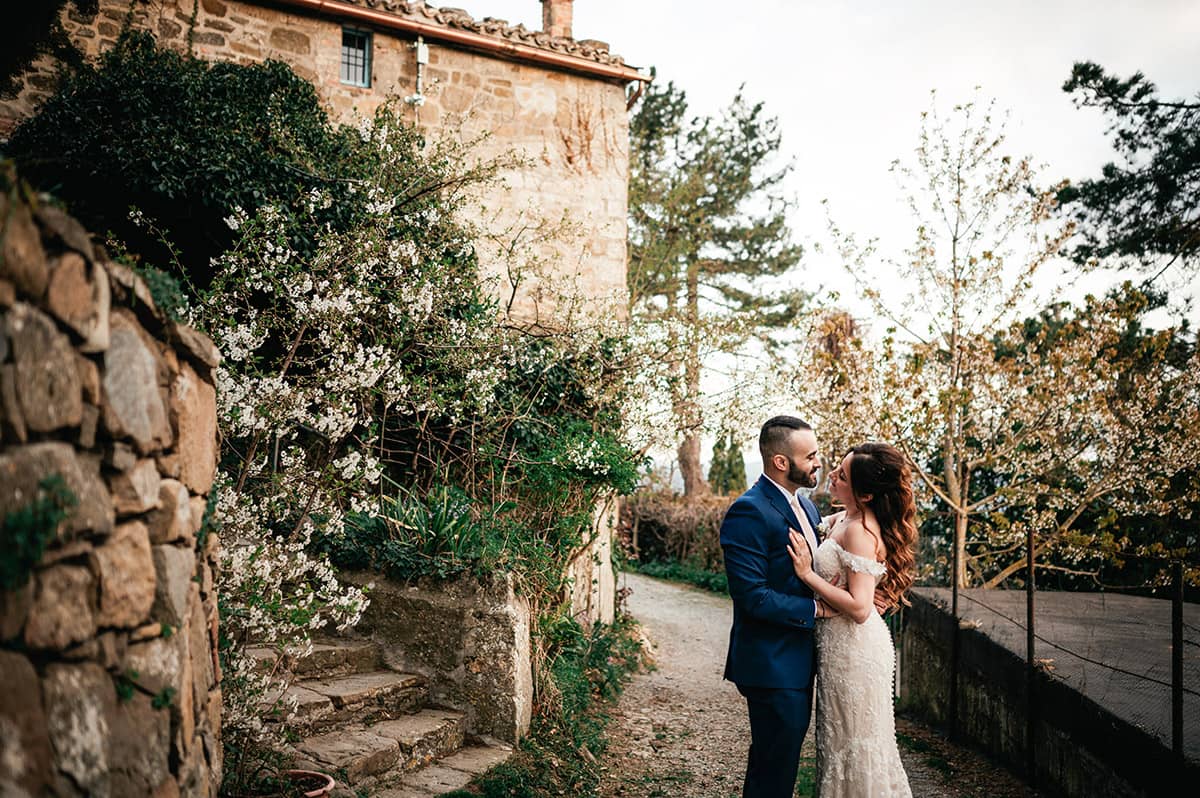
{"type": "Point", "coordinates": [848, 81]}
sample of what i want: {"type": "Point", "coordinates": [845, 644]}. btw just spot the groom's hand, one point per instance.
{"type": "Point", "coordinates": [824, 610]}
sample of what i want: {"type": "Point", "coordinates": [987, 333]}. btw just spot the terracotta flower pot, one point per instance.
{"type": "Point", "coordinates": [316, 785]}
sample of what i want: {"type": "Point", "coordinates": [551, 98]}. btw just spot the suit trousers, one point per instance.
{"type": "Point", "coordinates": [778, 722]}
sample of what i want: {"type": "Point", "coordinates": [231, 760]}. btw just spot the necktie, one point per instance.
{"type": "Point", "coordinates": [802, 517]}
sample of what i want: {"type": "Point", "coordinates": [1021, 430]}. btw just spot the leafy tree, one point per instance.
{"type": "Point", "coordinates": [1146, 209]}
{"type": "Point", "coordinates": [727, 472]}
{"type": "Point", "coordinates": [1011, 425]}
{"type": "Point", "coordinates": [707, 234]}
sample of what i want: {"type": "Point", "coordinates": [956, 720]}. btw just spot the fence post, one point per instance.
{"type": "Point", "coordinates": [1030, 669]}
{"type": "Point", "coordinates": [1177, 658]}
{"type": "Point", "coordinates": [954, 648]}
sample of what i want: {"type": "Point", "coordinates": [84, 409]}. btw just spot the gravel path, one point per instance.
{"type": "Point", "coordinates": [680, 730]}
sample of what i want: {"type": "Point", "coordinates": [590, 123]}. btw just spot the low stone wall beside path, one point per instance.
{"type": "Point", "coordinates": [109, 681]}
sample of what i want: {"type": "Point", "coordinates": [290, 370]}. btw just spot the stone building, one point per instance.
{"type": "Point", "coordinates": [559, 104]}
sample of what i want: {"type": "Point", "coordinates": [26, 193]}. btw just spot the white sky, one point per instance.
{"type": "Point", "coordinates": [848, 81]}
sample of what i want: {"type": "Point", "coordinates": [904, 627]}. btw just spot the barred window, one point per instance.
{"type": "Point", "coordinates": [356, 57]}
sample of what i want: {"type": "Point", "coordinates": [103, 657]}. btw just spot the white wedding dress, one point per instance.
{"type": "Point", "coordinates": [857, 755]}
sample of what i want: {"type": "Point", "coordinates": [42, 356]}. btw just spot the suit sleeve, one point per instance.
{"type": "Point", "coordinates": [742, 540]}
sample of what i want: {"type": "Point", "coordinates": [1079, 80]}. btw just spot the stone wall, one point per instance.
{"type": "Point", "coordinates": [109, 681]}
{"type": "Point", "coordinates": [470, 637]}
{"type": "Point", "coordinates": [1082, 750]}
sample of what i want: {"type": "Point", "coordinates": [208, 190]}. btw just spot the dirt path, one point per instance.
{"type": "Point", "coordinates": [680, 730]}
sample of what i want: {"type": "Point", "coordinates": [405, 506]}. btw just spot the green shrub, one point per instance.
{"type": "Point", "coordinates": [690, 573]}
{"type": "Point", "coordinates": [25, 532]}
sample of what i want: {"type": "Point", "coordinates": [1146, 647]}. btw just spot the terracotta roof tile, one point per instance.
{"type": "Point", "coordinates": [589, 49]}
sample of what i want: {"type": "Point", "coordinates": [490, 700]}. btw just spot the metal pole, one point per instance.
{"type": "Point", "coordinates": [1030, 671]}
{"type": "Point", "coordinates": [1177, 659]}
{"type": "Point", "coordinates": [954, 645]}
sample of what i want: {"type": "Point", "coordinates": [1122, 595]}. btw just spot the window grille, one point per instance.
{"type": "Point", "coordinates": [356, 57]}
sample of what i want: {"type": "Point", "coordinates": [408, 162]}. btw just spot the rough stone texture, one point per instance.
{"type": "Point", "coordinates": [22, 259]}
{"type": "Point", "coordinates": [173, 568]}
{"type": "Point", "coordinates": [81, 706]}
{"type": "Point", "coordinates": [194, 413]}
{"type": "Point", "coordinates": [63, 610]}
{"type": "Point", "coordinates": [88, 424]}
{"type": "Point", "coordinates": [14, 609]}
{"type": "Point", "coordinates": [89, 379]}
{"type": "Point", "coordinates": [137, 490]}
{"type": "Point", "coordinates": [12, 421]}
{"type": "Point", "coordinates": [424, 736]}
{"type": "Point", "coordinates": [197, 505]}
{"type": "Point", "coordinates": [56, 223]}
{"type": "Point", "coordinates": [23, 468]}
{"type": "Point", "coordinates": [133, 373]}
{"type": "Point", "coordinates": [78, 295]}
{"type": "Point", "coordinates": [172, 521]}
{"type": "Point", "coordinates": [195, 344]}
{"type": "Point", "coordinates": [202, 647]}
{"type": "Point", "coordinates": [84, 612]}
{"type": "Point", "coordinates": [358, 753]}
{"type": "Point", "coordinates": [47, 384]}
{"type": "Point", "coordinates": [25, 756]}
{"type": "Point", "coordinates": [157, 662]}
{"type": "Point", "coordinates": [469, 637]}
{"type": "Point", "coordinates": [127, 580]}
{"type": "Point", "coordinates": [120, 457]}
{"type": "Point", "coordinates": [139, 748]}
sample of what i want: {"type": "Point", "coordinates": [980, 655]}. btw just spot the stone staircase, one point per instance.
{"type": "Point", "coordinates": [372, 727]}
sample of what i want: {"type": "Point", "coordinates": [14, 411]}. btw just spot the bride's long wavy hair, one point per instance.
{"type": "Point", "coordinates": [880, 471]}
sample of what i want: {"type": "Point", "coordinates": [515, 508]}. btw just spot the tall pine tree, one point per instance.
{"type": "Point", "coordinates": [707, 232]}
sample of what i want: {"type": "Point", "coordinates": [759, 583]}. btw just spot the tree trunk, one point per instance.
{"type": "Point", "coordinates": [690, 416]}
{"type": "Point", "coordinates": [694, 483]}
{"type": "Point", "coordinates": [960, 544]}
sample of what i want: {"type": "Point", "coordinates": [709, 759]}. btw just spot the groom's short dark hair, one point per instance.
{"type": "Point", "coordinates": [773, 438]}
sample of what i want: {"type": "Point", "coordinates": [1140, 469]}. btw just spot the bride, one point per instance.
{"type": "Point", "coordinates": [869, 547]}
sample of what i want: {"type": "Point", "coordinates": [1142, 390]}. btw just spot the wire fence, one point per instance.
{"type": "Point", "coordinates": [1136, 656]}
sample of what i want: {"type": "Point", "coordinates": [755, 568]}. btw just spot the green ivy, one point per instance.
{"type": "Point", "coordinates": [25, 532]}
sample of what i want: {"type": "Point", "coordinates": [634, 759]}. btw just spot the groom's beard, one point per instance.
{"type": "Point", "coordinates": [798, 476]}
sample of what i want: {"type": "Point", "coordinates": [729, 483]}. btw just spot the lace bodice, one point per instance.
{"type": "Point", "coordinates": [832, 560]}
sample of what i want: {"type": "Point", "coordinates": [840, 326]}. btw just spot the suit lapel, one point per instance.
{"type": "Point", "coordinates": [776, 500]}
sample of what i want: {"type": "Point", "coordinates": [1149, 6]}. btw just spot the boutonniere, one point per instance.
{"type": "Point", "coordinates": [823, 529]}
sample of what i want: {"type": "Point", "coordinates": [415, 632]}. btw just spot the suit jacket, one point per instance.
{"type": "Point", "coordinates": [771, 642]}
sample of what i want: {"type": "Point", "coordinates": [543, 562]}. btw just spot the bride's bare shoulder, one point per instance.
{"type": "Point", "coordinates": [858, 539]}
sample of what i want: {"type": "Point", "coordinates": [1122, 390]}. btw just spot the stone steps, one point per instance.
{"type": "Point", "coordinates": [360, 697]}
{"type": "Point", "coordinates": [371, 727]}
{"type": "Point", "coordinates": [452, 773]}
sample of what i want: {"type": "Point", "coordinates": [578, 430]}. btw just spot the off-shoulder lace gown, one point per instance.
{"type": "Point", "coordinates": [857, 755]}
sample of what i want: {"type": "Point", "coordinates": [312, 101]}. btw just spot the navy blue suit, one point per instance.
{"type": "Point", "coordinates": [772, 658]}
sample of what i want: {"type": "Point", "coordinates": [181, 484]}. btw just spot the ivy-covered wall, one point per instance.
{"type": "Point", "coordinates": [109, 682]}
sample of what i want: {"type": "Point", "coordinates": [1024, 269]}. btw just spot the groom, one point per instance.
{"type": "Point", "coordinates": [772, 657]}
